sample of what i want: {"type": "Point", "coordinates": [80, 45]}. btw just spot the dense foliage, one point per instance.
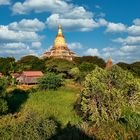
{"type": "Point", "coordinates": [27, 126]}
{"type": "Point", "coordinates": [59, 66]}
{"type": "Point", "coordinates": [107, 108]}
{"type": "Point", "coordinates": [50, 81]}
{"type": "Point", "coordinates": [30, 63]}
{"type": "Point", "coordinates": [3, 101]}
{"type": "Point", "coordinates": [90, 59]}
{"type": "Point", "coordinates": [110, 97]}
{"type": "Point", "coordinates": [7, 65]}
{"type": "Point", "coordinates": [134, 68]}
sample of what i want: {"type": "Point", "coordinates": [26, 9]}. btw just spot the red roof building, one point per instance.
{"type": "Point", "coordinates": [29, 77]}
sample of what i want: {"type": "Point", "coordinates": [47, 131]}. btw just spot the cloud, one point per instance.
{"type": "Point", "coordinates": [53, 6]}
{"type": "Point", "coordinates": [76, 19]}
{"type": "Point", "coordinates": [92, 52]}
{"type": "Point", "coordinates": [4, 2]}
{"type": "Point", "coordinates": [79, 24]}
{"type": "Point", "coordinates": [27, 25]}
{"type": "Point", "coordinates": [102, 22]}
{"type": "Point", "coordinates": [120, 27]}
{"type": "Point", "coordinates": [13, 46]}
{"type": "Point", "coordinates": [128, 40]}
{"type": "Point", "coordinates": [97, 6]}
{"type": "Point", "coordinates": [7, 35]}
{"type": "Point", "coordinates": [75, 45]}
{"type": "Point", "coordinates": [115, 27]}
{"type": "Point", "coordinates": [36, 45]}
{"type": "Point", "coordinates": [130, 49]}
{"type": "Point", "coordinates": [20, 40]}
{"type": "Point", "coordinates": [101, 15]}
{"type": "Point", "coordinates": [134, 29]}
{"type": "Point", "coordinates": [111, 27]}
{"type": "Point", "coordinates": [125, 53]}
{"type": "Point", "coordinates": [72, 17]}
{"type": "Point", "coordinates": [136, 21]}
{"type": "Point", "coordinates": [13, 49]}
{"type": "Point", "coordinates": [18, 49]}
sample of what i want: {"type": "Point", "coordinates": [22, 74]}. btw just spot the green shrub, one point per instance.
{"type": "Point", "coordinates": [16, 98]}
{"type": "Point", "coordinates": [109, 98]}
{"type": "Point", "coordinates": [50, 81]}
{"type": "Point", "coordinates": [28, 126]}
{"type": "Point", "coordinates": [3, 86]}
{"type": "Point", "coordinates": [3, 106]}
{"type": "Point", "coordinates": [36, 127]}
{"type": "Point", "coordinates": [86, 67]}
{"type": "Point", "coordinates": [3, 101]}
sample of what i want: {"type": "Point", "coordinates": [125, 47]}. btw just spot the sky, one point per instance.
{"type": "Point", "coordinates": [91, 27]}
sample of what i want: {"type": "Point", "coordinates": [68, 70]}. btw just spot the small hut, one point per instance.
{"type": "Point", "coordinates": [29, 77]}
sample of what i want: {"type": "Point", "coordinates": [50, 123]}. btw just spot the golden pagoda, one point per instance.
{"type": "Point", "coordinates": [60, 49]}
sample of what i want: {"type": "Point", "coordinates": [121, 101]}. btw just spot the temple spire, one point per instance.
{"type": "Point", "coordinates": [60, 49]}
{"type": "Point", "coordinates": [60, 30]}
{"type": "Point", "coordinates": [109, 61]}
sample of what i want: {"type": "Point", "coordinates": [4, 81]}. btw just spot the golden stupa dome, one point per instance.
{"type": "Point", "coordinates": [60, 40]}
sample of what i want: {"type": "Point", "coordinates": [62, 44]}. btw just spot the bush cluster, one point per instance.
{"type": "Point", "coordinates": [3, 101]}
{"type": "Point", "coordinates": [28, 126]}
{"type": "Point", "coordinates": [50, 81]}
{"type": "Point", "coordinates": [111, 98]}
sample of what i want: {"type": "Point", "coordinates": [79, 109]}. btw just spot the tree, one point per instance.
{"type": "Point", "coordinates": [75, 73]}
{"type": "Point", "coordinates": [50, 81]}
{"type": "Point", "coordinates": [134, 68]}
{"type": "Point", "coordinates": [29, 125]}
{"type": "Point", "coordinates": [59, 66]}
{"type": "Point", "coordinates": [79, 73]}
{"type": "Point", "coordinates": [106, 94]}
{"type": "Point", "coordinates": [30, 62]}
{"type": "Point", "coordinates": [7, 65]}
{"type": "Point", "coordinates": [86, 67]}
{"type": "Point", "coordinates": [90, 59]}
{"type": "Point", "coordinates": [3, 101]}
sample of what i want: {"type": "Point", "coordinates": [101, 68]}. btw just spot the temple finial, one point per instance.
{"type": "Point", "coordinates": [60, 30]}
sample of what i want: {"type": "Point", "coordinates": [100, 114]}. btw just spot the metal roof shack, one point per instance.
{"type": "Point", "coordinates": [29, 77]}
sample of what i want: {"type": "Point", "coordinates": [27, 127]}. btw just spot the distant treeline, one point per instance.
{"type": "Point", "coordinates": [86, 63]}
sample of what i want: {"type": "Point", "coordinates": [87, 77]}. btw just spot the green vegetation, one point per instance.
{"type": "Point", "coordinates": [43, 115]}
{"type": "Point", "coordinates": [57, 104]}
{"type": "Point", "coordinates": [7, 65]}
{"type": "Point", "coordinates": [3, 101]}
{"type": "Point", "coordinates": [30, 63]}
{"type": "Point", "coordinates": [110, 98]}
{"type": "Point", "coordinates": [90, 59]}
{"type": "Point", "coordinates": [50, 81]}
{"type": "Point", "coordinates": [29, 126]}
{"type": "Point", "coordinates": [134, 68]}
{"type": "Point", "coordinates": [74, 100]}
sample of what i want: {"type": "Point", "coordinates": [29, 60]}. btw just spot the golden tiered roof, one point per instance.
{"type": "Point", "coordinates": [60, 40]}
{"type": "Point", "coordinates": [60, 49]}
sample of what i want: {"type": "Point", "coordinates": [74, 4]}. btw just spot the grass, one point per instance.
{"type": "Point", "coordinates": [58, 104]}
